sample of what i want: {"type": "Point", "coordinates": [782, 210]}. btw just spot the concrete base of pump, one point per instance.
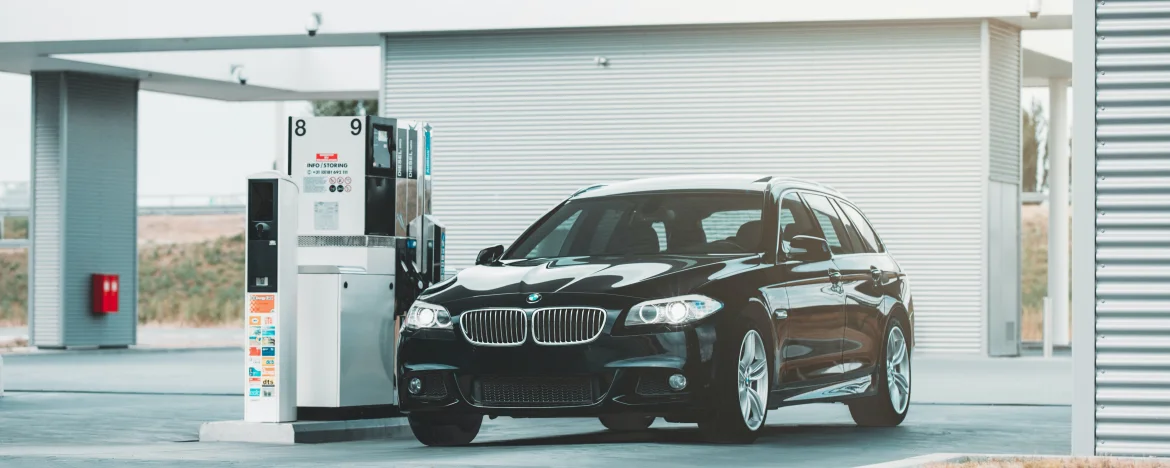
{"type": "Point", "coordinates": [304, 432]}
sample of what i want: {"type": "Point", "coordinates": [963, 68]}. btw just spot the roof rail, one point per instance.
{"type": "Point", "coordinates": [586, 189]}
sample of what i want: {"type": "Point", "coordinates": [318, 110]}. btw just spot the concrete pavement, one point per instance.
{"type": "Point", "coordinates": [150, 430]}
{"type": "Point", "coordinates": [143, 407]}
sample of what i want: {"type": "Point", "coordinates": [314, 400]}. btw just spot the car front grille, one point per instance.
{"type": "Point", "coordinates": [494, 327]}
{"type": "Point", "coordinates": [567, 326]}
{"type": "Point", "coordinates": [535, 392]}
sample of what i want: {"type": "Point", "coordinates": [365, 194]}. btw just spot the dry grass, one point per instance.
{"type": "Point", "coordinates": [195, 284]}
{"type": "Point", "coordinates": [1034, 271]}
{"type": "Point", "coordinates": [1056, 463]}
{"type": "Point", "coordinates": [200, 284]}
{"type": "Point", "coordinates": [187, 229]}
{"type": "Point", "coordinates": [13, 286]}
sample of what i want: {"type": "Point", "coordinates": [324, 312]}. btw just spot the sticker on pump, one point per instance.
{"type": "Point", "coordinates": [261, 303]}
{"type": "Point", "coordinates": [326, 156]}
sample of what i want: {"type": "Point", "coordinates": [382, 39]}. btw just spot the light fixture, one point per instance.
{"type": "Point", "coordinates": [677, 382]}
{"type": "Point", "coordinates": [239, 74]}
{"type": "Point", "coordinates": [601, 61]}
{"type": "Point", "coordinates": [1034, 8]}
{"type": "Point", "coordinates": [313, 24]}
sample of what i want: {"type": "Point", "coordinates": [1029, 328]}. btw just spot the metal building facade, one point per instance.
{"type": "Point", "coordinates": [914, 121]}
{"type": "Point", "coordinates": [1121, 235]}
{"type": "Point", "coordinates": [84, 213]}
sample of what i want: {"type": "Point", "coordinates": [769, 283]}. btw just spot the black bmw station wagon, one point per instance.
{"type": "Point", "coordinates": [706, 299]}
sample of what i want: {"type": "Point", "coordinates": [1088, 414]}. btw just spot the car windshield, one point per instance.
{"type": "Point", "coordinates": [648, 224]}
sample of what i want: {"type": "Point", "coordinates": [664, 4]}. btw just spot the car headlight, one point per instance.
{"type": "Point", "coordinates": [423, 315]}
{"type": "Point", "coordinates": [673, 310]}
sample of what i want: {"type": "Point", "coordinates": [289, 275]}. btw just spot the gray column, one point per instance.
{"type": "Point", "coordinates": [84, 209]}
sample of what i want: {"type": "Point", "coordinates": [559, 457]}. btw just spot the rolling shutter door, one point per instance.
{"type": "Point", "coordinates": [890, 114]}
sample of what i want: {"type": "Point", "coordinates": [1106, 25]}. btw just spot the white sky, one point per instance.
{"type": "Point", "coordinates": [193, 146]}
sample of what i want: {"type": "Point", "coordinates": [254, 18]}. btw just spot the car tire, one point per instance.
{"type": "Point", "coordinates": [445, 430]}
{"type": "Point", "coordinates": [891, 404]}
{"type": "Point", "coordinates": [728, 422]}
{"type": "Point", "coordinates": [626, 422]}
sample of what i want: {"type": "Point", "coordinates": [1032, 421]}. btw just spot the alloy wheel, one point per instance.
{"type": "Point", "coordinates": [753, 380]}
{"type": "Point", "coordinates": [898, 370]}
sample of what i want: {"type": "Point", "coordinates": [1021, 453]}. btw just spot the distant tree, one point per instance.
{"type": "Point", "coordinates": [1035, 149]}
{"type": "Point", "coordinates": [341, 108]}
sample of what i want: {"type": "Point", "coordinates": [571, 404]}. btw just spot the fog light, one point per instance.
{"type": "Point", "coordinates": [415, 386]}
{"type": "Point", "coordinates": [677, 382]}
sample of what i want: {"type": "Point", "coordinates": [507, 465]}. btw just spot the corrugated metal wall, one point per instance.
{"type": "Point", "coordinates": [1003, 204]}
{"type": "Point", "coordinates": [46, 218]}
{"type": "Point", "coordinates": [1004, 86]}
{"type": "Point", "coordinates": [85, 218]}
{"type": "Point", "coordinates": [1133, 229]}
{"type": "Point", "coordinates": [891, 114]}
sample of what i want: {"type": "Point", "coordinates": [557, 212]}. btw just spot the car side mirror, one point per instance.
{"type": "Point", "coordinates": [490, 255]}
{"type": "Point", "coordinates": [809, 249]}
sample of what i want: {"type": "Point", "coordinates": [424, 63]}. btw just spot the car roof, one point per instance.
{"type": "Point", "coordinates": [728, 182]}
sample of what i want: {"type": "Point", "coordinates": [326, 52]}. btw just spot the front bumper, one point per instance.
{"type": "Point", "coordinates": [623, 373]}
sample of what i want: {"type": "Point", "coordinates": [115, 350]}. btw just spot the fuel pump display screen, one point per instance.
{"type": "Point", "coordinates": [383, 147]}
{"type": "Point", "coordinates": [260, 201]}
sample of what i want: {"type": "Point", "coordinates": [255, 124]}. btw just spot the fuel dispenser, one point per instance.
{"type": "Point", "coordinates": [367, 246]}
{"type": "Point", "coordinates": [270, 265]}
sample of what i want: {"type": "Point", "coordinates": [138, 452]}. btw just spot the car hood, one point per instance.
{"type": "Point", "coordinates": [632, 276]}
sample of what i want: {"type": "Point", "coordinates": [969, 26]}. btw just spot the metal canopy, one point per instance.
{"type": "Point", "coordinates": [189, 49]}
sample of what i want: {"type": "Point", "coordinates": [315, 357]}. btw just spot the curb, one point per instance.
{"type": "Point", "coordinates": [924, 460]}
{"type": "Point", "coordinates": [305, 432]}
{"type": "Point", "coordinates": [32, 352]}
{"type": "Point", "coordinates": [920, 460]}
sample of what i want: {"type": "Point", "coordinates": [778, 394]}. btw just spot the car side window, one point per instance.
{"type": "Point", "coordinates": [830, 224]}
{"type": "Point", "coordinates": [795, 219]}
{"type": "Point", "coordinates": [851, 230]}
{"type": "Point", "coordinates": [868, 236]}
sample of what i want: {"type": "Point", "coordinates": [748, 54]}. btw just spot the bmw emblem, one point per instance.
{"type": "Point", "coordinates": [533, 298]}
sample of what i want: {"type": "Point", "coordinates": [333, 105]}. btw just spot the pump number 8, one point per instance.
{"type": "Point", "coordinates": [300, 130]}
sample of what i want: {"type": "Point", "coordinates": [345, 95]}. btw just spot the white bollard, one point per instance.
{"type": "Point", "coordinates": [1047, 328]}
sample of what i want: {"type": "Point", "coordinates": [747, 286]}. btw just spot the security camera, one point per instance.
{"type": "Point", "coordinates": [313, 24]}
{"type": "Point", "coordinates": [1033, 8]}
{"type": "Point", "coordinates": [239, 74]}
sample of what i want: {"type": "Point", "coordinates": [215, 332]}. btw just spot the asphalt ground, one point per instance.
{"type": "Point", "coordinates": [144, 408]}
{"type": "Point", "coordinates": [117, 429]}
